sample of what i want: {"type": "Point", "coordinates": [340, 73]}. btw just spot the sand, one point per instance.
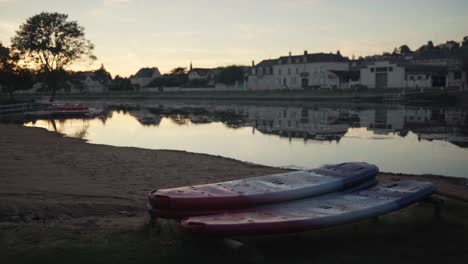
{"type": "Point", "coordinates": [45, 176]}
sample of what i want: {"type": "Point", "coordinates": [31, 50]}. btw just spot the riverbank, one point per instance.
{"type": "Point", "coordinates": [63, 199]}
{"type": "Point", "coordinates": [449, 96]}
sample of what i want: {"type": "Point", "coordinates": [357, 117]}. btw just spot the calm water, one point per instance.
{"type": "Point", "coordinates": [416, 140]}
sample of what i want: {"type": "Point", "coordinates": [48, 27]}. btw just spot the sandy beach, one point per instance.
{"type": "Point", "coordinates": [64, 200]}
{"type": "Point", "coordinates": [45, 176]}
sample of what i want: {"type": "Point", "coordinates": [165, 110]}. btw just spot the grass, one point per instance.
{"type": "Point", "coordinates": [412, 235]}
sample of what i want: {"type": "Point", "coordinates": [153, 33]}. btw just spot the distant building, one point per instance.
{"type": "Point", "coordinates": [456, 77]}
{"type": "Point", "coordinates": [202, 74]}
{"type": "Point", "coordinates": [93, 81]}
{"type": "Point", "coordinates": [344, 79]}
{"type": "Point", "coordinates": [308, 71]}
{"type": "Point", "coordinates": [199, 73]}
{"type": "Point", "coordinates": [403, 74]}
{"type": "Point", "coordinates": [262, 76]}
{"type": "Point", "coordinates": [145, 76]}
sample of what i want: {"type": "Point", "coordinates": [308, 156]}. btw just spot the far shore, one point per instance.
{"type": "Point", "coordinates": [44, 176]}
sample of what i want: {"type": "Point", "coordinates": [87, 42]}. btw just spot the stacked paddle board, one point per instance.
{"type": "Point", "coordinates": [287, 202]}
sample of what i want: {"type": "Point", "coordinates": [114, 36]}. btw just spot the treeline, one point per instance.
{"type": "Point", "coordinates": [449, 48]}
{"type": "Point", "coordinates": [178, 77]}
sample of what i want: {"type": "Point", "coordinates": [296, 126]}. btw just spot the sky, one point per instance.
{"type": "Point", "coordinates": [131, 34]}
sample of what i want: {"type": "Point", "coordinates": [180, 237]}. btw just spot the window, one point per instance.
{"type": "Point", "coordinates": [297, 70]}
{"type": "Point", "coordinates": [390, 69]}
{"type": "Point", "coordinates": [381, 69]}
{"type": "Point", "coordinates": [457, 75]}
{"type": "Point", "coordinates": [372, 69]}
{"type": "Point", "coordinates": [419, 77]}
{"type": "Point", "coordinates": [279, 71]}
{"type": "Point", "coordinates": [411, 78]}
{"type": "Point", "coordinates": [289, 71]}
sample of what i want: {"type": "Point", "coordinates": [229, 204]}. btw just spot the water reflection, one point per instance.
{"type": "Point", "coordinates": [398, 138]}
{"type": "Point", "coordinates": [319, 123]}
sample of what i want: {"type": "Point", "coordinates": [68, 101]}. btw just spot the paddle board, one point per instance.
{"type": "Point", "coordinates": [265, 189]}
{"type": "Point", "coordinates": [178, 214]}
{"type": "Point", "coordinates": [311, 213]}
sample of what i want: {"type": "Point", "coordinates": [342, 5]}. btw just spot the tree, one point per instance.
{"type": "Point", "coordinates": [176, 78]}
{"type": "Point", "coordinates": [121, 84]}
{"type": "Point", "coordinates": [12, 76]}
{"type": "Point", "coordinates": [179, 71]}
{"type": "Point", "coordinates": [465, 42]}
{"type": "Point", "coordinates": [464, 54]}
{"type": "Point", "coordinates": [230, 75]}
{"type": "Point", "coordinates": [430, 45]}
{"type": "Point", "coordinates": [49, 42]}
{"type": "Point", "coordinates": [404, 49]}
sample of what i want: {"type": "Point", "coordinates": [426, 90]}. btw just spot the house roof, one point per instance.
{"type": "Point", "coordinates": [315, 57]}
{"type": "Point", "coordinates": [92, 75]}
{"type": "Point", "coordinates": [267, 63]}
{"type": "Point", "coordinates": [147, 72]}
{"type": "Point", "coordinates": [201, 71]}
{"type": "Point", "coordinates": [435, 54]}
{"type": "Point", "coordinates": [417, 68]}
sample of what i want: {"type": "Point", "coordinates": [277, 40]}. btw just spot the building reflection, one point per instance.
{"type": "Point", "coordinates": [311, 122]}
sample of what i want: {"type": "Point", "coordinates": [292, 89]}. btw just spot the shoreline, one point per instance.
{"type": "Point", "coordinates": [391, 95]}
{"type": "Point", "coordinates": [47, 176]}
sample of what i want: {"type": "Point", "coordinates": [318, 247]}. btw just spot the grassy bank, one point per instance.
{"type": "Point", "coordinates": [411, 235]}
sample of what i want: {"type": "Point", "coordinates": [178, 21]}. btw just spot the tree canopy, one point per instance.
{"type": "Point", "coordinates": [404, 49]}
{"type": "Point", "coordinates": [12, 76]}
{"type": "Point", "coordinates": [50, 42]}
{"type": "Point", "coordinates": [230, 75]}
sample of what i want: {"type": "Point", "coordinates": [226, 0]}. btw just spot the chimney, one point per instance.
{"type": "Point", "coordinates": [253, 63]}
{"type": "Point", "coordinates": [290, 54]}
{"type": "Point", "coordinates": [305, 52]}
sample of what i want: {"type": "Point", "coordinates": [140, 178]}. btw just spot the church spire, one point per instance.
{"type": "Point", "coordinates": [191, 67]}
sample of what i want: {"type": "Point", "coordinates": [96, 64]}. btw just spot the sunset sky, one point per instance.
{"type": "Point", "coordinates": [130, 34]}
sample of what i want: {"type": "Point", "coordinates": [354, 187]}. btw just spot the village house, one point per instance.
{"type": "Point", "coordinates": [92, 81]}
{"type": "Point", "coordinates": [202, 75]}
{"type": "Point", "coordinates": [308, 71]}
{"type": "Point", "coordinates": [199, 73]}
{"type": "Point", "coordinates": [145, 76]}
{"type": "Point", "coordinates": [97, 81]}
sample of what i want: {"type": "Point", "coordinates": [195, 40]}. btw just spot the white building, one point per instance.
{"type": "Point", "coordinates": [306, 71]}
{"type": "Point", "coordinates": [199, 74]}
{"type": "Point", "coordinates": [91, 82]}
{"type": "Point", "coordinates": [262, 77]}
{"type": "Point", "coordinates": [145, 76]}
{"type": "Point", "coordinates": [401, 74]}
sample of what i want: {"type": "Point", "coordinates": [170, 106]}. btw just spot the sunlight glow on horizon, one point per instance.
{"type": "Point", "coordinates": [131, 34]}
